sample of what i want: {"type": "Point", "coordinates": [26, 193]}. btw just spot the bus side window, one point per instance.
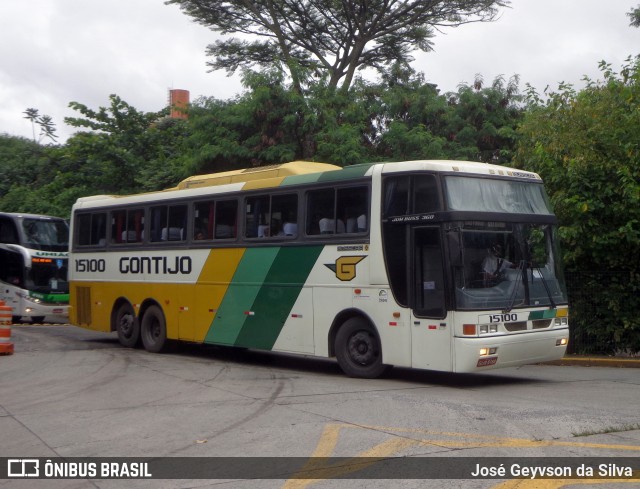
{"type": "Point", "coordinates": [425, 194]}
{"type": "Point", "coordinates": [345, 210]}
{"type": "Point", "coordinates": [203, 221]}
{"type": "Point", "coordinates": [284, 215]}
{"type": "Point", "coordinates": [83, 232]}
{"type": "Point", "coordinates": [99, 229]}
{"type": "Point", "coordinates": [321, 212]}
{"type": "Point", "coordinates": [396, 196]}
{"type": "Point", "coordinates": [127, 226]}
{"type": "Point", "coordinates": [257, 217]}
{"type": "Point", "coordinates": [226, 219]}
{"type": "Point", "coordinates": [353, 209]}
{"type": "Point", "coordinates": [168, 223]}
{"type": "Point", "coordinates": [91, 229]}
{"type": "Point", "coordinates": [8, 232]}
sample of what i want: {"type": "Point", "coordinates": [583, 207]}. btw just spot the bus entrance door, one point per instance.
{"type": "Point", "coordinates": [430, 331]}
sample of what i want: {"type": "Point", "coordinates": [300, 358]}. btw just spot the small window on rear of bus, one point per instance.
{"type": "Point", "coordinates": [91, 229]}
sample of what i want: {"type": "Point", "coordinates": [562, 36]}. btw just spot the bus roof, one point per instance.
{"type": "Point", "coordinates": [256, 173]}
{"type": "Point", "coordinates": [30, 216]}
{"type": "Point", "coordinates": [299, 172]}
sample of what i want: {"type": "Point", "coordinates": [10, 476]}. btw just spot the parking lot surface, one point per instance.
{"type": "Point", "coordinates": [67, 392]}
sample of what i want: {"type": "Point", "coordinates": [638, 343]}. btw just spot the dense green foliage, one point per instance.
{"type": "Point", "coordinates": [586, 146]}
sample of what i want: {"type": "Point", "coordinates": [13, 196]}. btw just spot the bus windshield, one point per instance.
{"type": "Point", "coordinates": [493, 195]}
{"type": "Point", "coordinates": [47, 276]}
{"type": "Point", "coordinates": [48, 235]}
{"type": "Point", "coordinates": [502, 265]}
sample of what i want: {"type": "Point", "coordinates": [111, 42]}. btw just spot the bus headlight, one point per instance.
{"type": "Point", "coordinates": [488, 328]}
{"type": "Point", "coordinates": [488, 351]}
{"type": "Point", "coordinates": [27, 297]}
{"type": "Point", "coordinates": [562, 341]}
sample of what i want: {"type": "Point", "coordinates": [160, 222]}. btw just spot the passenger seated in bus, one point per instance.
{"type": "Point", "coordinates": [171, 234]}
{"type": "Point", "coordinates": [129, 236]}
{"type": "Point", "coordinates": [494, 265]}
{"type": "Point", "coordinates": [357, 224]}
{"type": "Point", "coordinates": [264, 231]}
{"type": "Point", "coordinates": [223, 231]}
{"type": "Point", "coordinates": [290, 229]}
{"type": "Point", "coordinates": [328, 226]}
{"type": "Point", "coordinates": [289, 226]}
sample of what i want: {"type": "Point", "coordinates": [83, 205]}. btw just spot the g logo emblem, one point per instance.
{"type": "Point", "coordinates": [345, 267]}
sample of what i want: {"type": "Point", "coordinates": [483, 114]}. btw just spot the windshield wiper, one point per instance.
{"type": "Point", "coordinates": [514, 294]}
{"type": "Point", "coordinates": [546, 286]}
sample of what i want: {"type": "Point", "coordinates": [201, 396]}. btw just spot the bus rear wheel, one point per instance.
{"type": "Point", "coordinates": [358, 349]}
{"type": "Point", "coordinates": [127, 326]}
{"type": "Point", "coordinates": [153, 330]}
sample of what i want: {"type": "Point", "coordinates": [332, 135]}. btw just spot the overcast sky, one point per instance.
{"type": "Point", "coordinates": [53, 52]}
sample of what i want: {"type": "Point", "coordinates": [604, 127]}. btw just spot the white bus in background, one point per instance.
{"type": "Point", "coordinates": [34, 266]}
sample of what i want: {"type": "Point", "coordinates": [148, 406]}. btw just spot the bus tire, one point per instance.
{"type": "Point", "coordinates": [358, 349]}
{"type": "Point", "coordinates": [127, 325]}
{"type": "Point", "coordinates": [153, 330]}
{"type": "Point", "coordinates": [37, 319]}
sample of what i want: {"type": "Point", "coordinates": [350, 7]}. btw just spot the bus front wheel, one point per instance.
{"type": "Point", "coordinates": [358, 349]}
{"type": "Point", "coordinates": [153, 330]}
{"type": "Point", "coordinates": [127, 326]}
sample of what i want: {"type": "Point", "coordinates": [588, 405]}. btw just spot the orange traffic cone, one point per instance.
{"type": "Point", "coordinates": [6, 347]}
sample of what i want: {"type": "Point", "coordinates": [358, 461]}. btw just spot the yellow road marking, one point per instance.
{"type": "Point", "coordinates": [331, 434]}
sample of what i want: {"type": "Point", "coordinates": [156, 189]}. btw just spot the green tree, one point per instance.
{"type": "Point", "coordinates": [585, 145]}
{"type": "Point", "coordinates": [481, 122]}
{"type": "Point", "coordinates": [44, 122]}
{"type": "Point", "coordinates": [325, 37]}
{"type": "Point", "coordinates": [125, 150]}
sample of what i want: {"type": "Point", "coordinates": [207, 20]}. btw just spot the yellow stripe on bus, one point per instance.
{"type": "Point", "coordinates": [213, 283]}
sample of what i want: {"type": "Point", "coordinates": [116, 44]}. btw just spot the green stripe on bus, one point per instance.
{"type": "Point", "coordinates": [347, 173]}
{"type": "Point", "coordinates": [277, 296]}
{"type": "Point", "coordinates": [546, 314]}
{"type": "Point", "coordinates": [301, 179]}
{"type": "Point", "coordinates": [240, 296]}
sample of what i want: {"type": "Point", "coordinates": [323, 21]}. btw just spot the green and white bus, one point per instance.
{"type": "Point", "coordinates": [442, 265]}
{"type": "Point", "coordinates": [33, 267]}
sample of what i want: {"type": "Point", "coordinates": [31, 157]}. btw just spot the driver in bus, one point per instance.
{"type": "Point", "coordinates": [494, 265]}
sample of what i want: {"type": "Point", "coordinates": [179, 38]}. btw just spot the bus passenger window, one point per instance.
{"type": "Point", "coordinates": [425, 194]}
{"type": "Point", "coordinates": [396, 196]}
{"type": "Point", "coordinates": [344, 210]}
{"type": "Point", "coordinates": [257, 217]}
{"type": "Point", "coordinates": [321, 212]}
{"type": "Point", "coordinates": [127, 226]}
{"type": "Point", "coordinates": [284, 215]}
{"type": "Point", "coordinates": [92, 229]}
{"type": "Point", "coordinates": [203, 220]}
{"type": "Point", "coordinates": [8, 232]}
{"type": "Point", "coordinates": [168, 223]}
{"type": "Point", "coordinates": [353, 206]}
{"type": "Point", "coordinates": [226, 219]}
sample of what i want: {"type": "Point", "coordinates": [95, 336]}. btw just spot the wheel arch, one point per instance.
{"type": "Point", "coordinates": [340, 319]}
{"type": "Point", "coordinates": [148, 303]}
{"type": "Point", "coordinates": [114, 309]}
